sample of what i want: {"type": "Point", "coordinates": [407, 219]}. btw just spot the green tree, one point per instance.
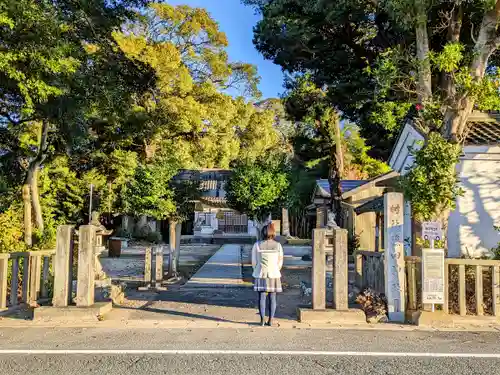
{"type": "Point", "coordinates": [339, 42]}
{"type": "Point", "coordinates": [334, 42]}
{"type": "Point", "coordinates": [257, 189]}
{"type": "Point", "coordinates": [188, 111]}
{"type": "Point", "coordinates": [148, 194]}
{"type": "Point", "coordinates": [306, 103]}
{"type": "Point", "coordinates": [438, 59]}
{"type": "Point", "coordinates": [48, 70]}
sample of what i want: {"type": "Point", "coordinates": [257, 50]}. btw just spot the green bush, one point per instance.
{"type": "Point", "coordinates": [11, 230]}
{"type": "Point", "coordinates": [146, 234]}
{"type": "Point", "coordinates": [154, 237]}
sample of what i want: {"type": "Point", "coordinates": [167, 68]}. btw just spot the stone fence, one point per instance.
{"type": "Point", "coordinates": [471, 286]}
{"type": "Point", "coordinates": [28, 270]}
{"type": "Point", "coordinates": [330, 244]}
{"type": "Point", "coordinates": [44, 276]}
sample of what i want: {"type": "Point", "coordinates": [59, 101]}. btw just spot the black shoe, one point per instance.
{"type": "Point", "coordinates": [269, 323]}
{"type": "Point", "coordinates": [262, 324]}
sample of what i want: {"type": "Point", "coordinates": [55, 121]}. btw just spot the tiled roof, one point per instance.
{"type": "Point", "coordinates": [345, 186]}
{"type": "Point", "coordinates": [213, 199]}
{"type": "Point", "coordinates": [375, 205]}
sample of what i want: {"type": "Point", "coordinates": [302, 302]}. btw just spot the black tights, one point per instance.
{"type": "Point", "coordinates": [262, 305]}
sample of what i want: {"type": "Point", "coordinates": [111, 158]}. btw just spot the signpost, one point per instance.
{"type": "Point", "coordinates": [432, 265]}
{"type": "Point", "coordinates": [431, 230]}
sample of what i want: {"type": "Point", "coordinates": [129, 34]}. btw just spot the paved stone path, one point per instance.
{"type": "Point", "coordinates": [223, 270]}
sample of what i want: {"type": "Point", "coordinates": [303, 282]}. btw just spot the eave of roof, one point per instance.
{"type": "Point", "coordinates": [355, 188]}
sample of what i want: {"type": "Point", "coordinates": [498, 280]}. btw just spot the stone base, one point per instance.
{"type": "Point", "coordinates": [351, 316]}
{"type": "Point", "coordinates": [439, 319]}
{"type": "Point", "coordinates": [94, 312]}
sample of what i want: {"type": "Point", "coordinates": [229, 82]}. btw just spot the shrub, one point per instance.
{"type": "Point", "coordinates": [11, 230]}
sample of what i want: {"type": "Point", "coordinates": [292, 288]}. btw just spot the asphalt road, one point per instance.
{"type": "Point", "coordinates": [70, 351]}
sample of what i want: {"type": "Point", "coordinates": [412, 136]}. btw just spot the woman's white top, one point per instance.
{"type": "Point", "coordinates": [267, 259]}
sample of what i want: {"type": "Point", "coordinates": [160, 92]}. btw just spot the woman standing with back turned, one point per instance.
{"type": "Point", "coordinates": [267, 261]}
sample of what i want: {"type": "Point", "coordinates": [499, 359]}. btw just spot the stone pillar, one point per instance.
{"type": "Point", "coordinates": [158, 266]}
{"type": "Point", "coordinates": [285, 223]}
{"type": "Point", "coordinates": [320, 217]}
{"type": "Point", "coordinates": [63, 274]}
{"type": "Point", "coordinates": [4, 264]}
{"type": "Point", "coordinates": [86, 270]}
{"type": "Point", "coordinates": [407, 228]}
{"type": "Point", "coordinates": [394, 256]}
{"type": "Point", "coordinates": [319, 270]}
{"type": "Point", "coordinates": [340, 270]}
{"type": "Point", "coordinates": [148, 260]}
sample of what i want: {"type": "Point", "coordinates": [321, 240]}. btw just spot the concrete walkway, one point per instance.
{"type": "Point", "coordinates": [223, 270]}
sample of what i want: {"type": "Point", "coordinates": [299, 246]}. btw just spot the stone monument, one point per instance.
{"type": "Point", "coordinates": [394, 262]}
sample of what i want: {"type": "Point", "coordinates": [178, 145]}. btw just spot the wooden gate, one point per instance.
{"type": "Point", "coordinates": [233, 223]}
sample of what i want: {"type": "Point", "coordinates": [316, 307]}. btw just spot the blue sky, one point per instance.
{"type": "Point", "coordinates": [237, 21]}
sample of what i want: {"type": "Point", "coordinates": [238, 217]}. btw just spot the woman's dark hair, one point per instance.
{"type": "Point", "coordinates": [268, 232]}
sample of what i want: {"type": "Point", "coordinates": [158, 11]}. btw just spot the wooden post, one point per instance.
{"type": "Point", "coordinates": [412, 285]}
{"type": "Point", "coordinates": [340, 270]}
{"type": "Point", "coordinates": [446, 302]}
{"type": "Point", "coordinates": [45, 277]}
{"type": "Point", "coordinates": [461, 290]}
{"type": "Point", "coordinates": [63, 261]}
{"type": "Point", "coordinates": [479, 290]}
{"type": "Point", "coordinates": [14, 281]}
{"type": "Point", "coordinates": [358, 259]}
{"type": "Point", "coordinates": [319, 270]}
{"type": "Point", "coordinates": [4, 263]}
{"type": "Point", "coordinates": [86, 270]}
{"type": "Point", "coordinates": [495, 289]}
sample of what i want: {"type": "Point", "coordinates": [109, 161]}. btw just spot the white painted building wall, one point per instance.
{"type": "Point", "coordinates": [213, 223]}
{"type": "Point", "coordinates": [471, 226]}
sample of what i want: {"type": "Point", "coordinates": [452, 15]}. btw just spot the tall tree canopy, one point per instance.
{"type": "Point", "coordinates": [380, 61]}
{"type": "Point", "coordinates": [368, 55]}
{"type": "Point", "coordinates": [120, 95]}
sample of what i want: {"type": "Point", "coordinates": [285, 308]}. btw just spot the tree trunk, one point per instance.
{"type": "Point", "coordinates": [28, 231]}
{"type": "Point", "coordinates": [35, 197]}
{"type": "Point", "coordinates": [335, 173]}
{"type": "Point", "coordinates": [486, 44]}
{"type": "Point", "coordinates": [448, 85]}
{"type": "Point", "coordinates": [31, 182]}
{"type": "Point", "coordinates": [339, 154]}
{"type": "Point", "coordinates": [422, 39]}
{"type": "Point", "coordinates": [335, 189]}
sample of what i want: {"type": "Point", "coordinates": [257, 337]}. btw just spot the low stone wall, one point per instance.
{"type": "Point", "coordinates": [218, 239]}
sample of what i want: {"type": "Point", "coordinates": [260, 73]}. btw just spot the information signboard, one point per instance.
{"type": "Point", "coordinates": [433, 276]}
